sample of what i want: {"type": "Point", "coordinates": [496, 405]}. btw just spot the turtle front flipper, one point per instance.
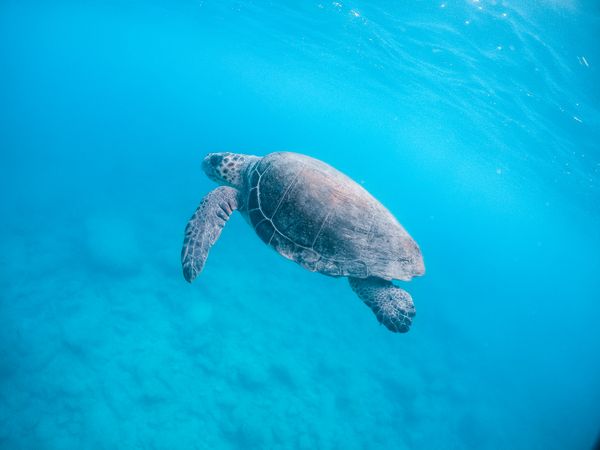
{"type": "Point", "coordinates": [204, 228]}
{"type": "Point", "coordinates": [393, 306]}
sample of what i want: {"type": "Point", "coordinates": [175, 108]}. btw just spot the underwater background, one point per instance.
{"type": "Point", "coordinates": [477, 123]}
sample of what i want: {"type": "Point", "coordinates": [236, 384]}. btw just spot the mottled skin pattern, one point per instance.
{"type": "Point", "coordinates": [392, 306]}
{"type": "Point", "coordinates": [204, 228]}
{"type": "Point", "coordinates": [316, 216]}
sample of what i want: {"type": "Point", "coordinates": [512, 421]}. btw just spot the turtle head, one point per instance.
{"type": "Point", "coordinates": [226, 168]}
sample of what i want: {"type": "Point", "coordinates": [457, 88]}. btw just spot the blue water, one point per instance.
{"type": "Point", "coordinates": [476, 123]}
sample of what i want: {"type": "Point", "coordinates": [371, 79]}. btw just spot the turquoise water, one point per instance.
{"type": "Point", "coordinates": [476, 123]}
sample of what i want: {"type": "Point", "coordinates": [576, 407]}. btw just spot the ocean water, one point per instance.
{"type": "Point", "coordinates": [477, 123]}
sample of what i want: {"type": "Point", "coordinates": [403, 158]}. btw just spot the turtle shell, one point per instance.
{"type": "Point", "coordinates": [315, 215]}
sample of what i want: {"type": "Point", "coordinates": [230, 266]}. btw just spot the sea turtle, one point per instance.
{"type": "Point", "coordinates": [315, 215]}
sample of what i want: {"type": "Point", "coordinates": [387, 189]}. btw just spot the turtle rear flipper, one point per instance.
{"type": "Point", "coordinates": [392, 306]}
{"type": "Point", "coordinates": [204, 228]}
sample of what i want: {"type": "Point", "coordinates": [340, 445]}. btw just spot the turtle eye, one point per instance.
{"type": "Point", "coordinates": [215, 160]}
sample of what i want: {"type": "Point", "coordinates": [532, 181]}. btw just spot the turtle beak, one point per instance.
{"type": "Point", "coordinates": [206, 163]}
{"type": "Point", "coordinates": [210, 162]}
